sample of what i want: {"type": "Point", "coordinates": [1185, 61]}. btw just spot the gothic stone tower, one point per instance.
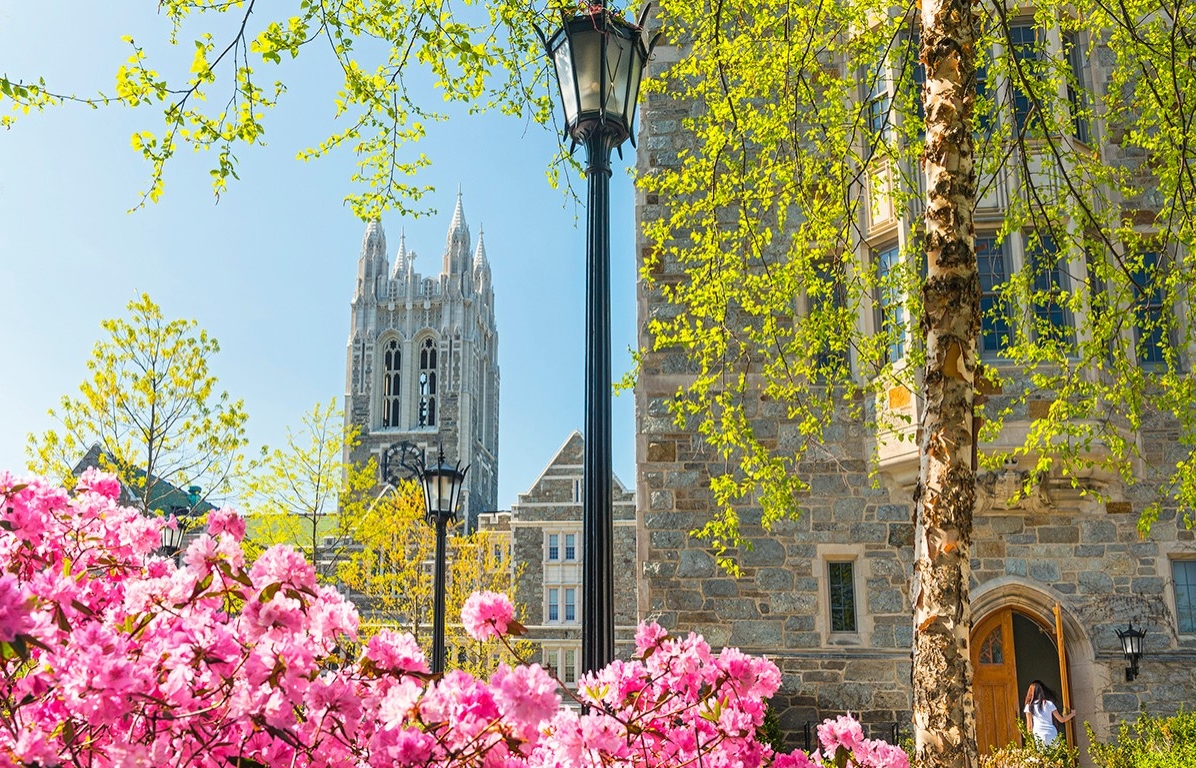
{"type": "Point", "coordinates": [423, 359]}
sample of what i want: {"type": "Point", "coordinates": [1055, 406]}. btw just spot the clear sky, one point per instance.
{"type": "Point", "coordinates": [269, 270]}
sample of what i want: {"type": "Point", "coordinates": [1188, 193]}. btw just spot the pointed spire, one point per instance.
{"type": "Point", "coordinates": [456, 247]}
{"type": "Point", "coordinates": [458, 221]}
{"type": "Point", "coordinates": [480, 262]}
{"type": "Point", "coordinates": [400, 267]}
{"type": "Point", "coordinates": [374, 240]}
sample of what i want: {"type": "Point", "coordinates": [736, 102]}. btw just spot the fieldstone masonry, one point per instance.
{"type": "Point", "coordinates": [1056, 546]}
{"type": "Point", "coordinates": [553, 506]}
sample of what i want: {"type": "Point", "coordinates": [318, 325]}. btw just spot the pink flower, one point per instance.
{"type": "Point", "coordinates": [756, 677]}
{"type": "Point", "coordinates": [282, 564]}
{"type": "Point", "coordinates": [844, 731]}
{"type": "Point", "coordinates": [795, 759]}
{"type": "Point", "coordinates": [395, 653]}
{"type": "Point", "coordinates": [96, 481]}
{"type": "Point", "coordinates": [398, 702]}
{"type": "Point", "coordinates": [879, 754]}
{"type": "Point", "coordinates": [487, 614]}
{"type": "Point", "coordinates": [226, 520]}
{"type": "Point", "coordinates": [526, 695]}
{"type": "Point", "coordinates": [649, 635]}
{"type": "Point", "coordinates": [15, 604]}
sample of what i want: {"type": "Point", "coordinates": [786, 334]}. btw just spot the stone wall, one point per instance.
{"type": "Point", "coordinates": [553, 504]}
{"type": "Point", "coordinates": [1057, 546]}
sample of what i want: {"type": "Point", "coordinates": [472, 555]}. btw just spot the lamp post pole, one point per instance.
{"type": "Point", "coordinates": [599, 58]}
{"type": "Point", "coordinates": [438, 599]}
{"type": "Point", "coordinates": [598, 612]}
{"type": "Point", "coordinates": [441, 485]}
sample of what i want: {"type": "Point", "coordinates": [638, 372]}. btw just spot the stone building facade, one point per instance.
{"type": "Point", "coordinates": [826, 596]}
{"type": "Point", "coordinates": [422, 369]}
{"type": "Point", "coordinates": [545, 529]}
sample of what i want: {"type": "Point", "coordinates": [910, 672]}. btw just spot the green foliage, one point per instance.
{"type": "Point", "coordinates": [770, 732]}
{"type": "Point", "coordinates": [305, 494]}
{"type": "Point", "coordinates": [789, 157]}
{"type": "Point", "coordinates": [389, 569]}
{"type": "Point", "coordinates": [1150, 742]}
{"type": "Point", "coordinates": [150, 403]}
{"type": "Point", "coordinates": [1032, 753]}
{"type": "Point", "coordinates": [484, 54]}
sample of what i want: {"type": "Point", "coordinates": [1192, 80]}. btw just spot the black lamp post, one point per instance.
{"type": "Point", "coordinates": [1131, 646]}
{"type": "Point", "coordinates": [599, 58]}
{"type": "Point", "coordinates": [442, 486]}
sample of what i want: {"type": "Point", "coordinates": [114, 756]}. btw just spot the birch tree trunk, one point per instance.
{"type": "Point", "coordinates": [944, 714]}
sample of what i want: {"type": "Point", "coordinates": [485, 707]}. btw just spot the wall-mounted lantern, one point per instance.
{"type": "Point", "coordinates": [1131, 646]}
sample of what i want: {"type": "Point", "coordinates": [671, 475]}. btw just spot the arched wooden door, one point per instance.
{"type": "Point", "coordinates": [995, 681]}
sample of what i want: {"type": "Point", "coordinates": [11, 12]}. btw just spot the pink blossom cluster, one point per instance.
{"type": "Point", "coordinates": [112, 655]}
{"type": "Point", "coordinates": [487, 614]}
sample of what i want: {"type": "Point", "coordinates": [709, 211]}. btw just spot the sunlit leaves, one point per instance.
{"type": "Point", "coordinates": [305, 494]}
{"type": "Point", "coordinates": [486, 56]}
{"type": "Point", "coordinates": [781, 126]}
{"type": "Point", "coordinates": [152, 405]}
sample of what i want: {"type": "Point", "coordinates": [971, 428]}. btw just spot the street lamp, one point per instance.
{"type": "Point", "coordinates": [599, 59]}
{"type": "Point", "coordinates": [442, 486]}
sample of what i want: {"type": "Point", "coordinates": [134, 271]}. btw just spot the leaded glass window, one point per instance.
{"type": "Point", "coordinates": [391, 380]}
{"type": "Point", "coordinates": [1184, 572]}
{"type": "Point", "coordinates": [841, 580]}
{"type": "Point", "coordinates": [427, 384]}
{"type": "Point", "coordinates": [994, 311]}
{"type": "Point", "coordinates": [1047, 265]}
{"type": "Point", "coordinates": [892, 305]}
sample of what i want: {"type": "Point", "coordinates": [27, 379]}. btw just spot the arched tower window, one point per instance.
{"type": "Point", "coordinates": [426, 416]}
{"type": "Point", "coordinates": [391, 378]}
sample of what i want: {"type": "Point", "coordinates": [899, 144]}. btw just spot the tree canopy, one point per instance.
{"type": "Point", "coordinates": [234, 57]}
{"type": "Point", "coordinates": [151, 405]}
{"type": "Point", "coordinates": [389, 570]}
{"type": "Point", "coordinates": [811, 129]}
{"type": "Point", "coordinates": [304, 493]}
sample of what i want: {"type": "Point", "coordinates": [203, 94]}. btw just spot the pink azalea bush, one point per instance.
{"type": "Point", "coordinates": [111, 655]}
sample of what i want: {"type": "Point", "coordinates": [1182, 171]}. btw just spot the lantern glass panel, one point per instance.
{"type": "Point", "coordinates": [171, 538]}
{"type": "Point", "coordinates": [619, 56]}
{"type": "Point", "coordinates": [563, 60]}
{"type": "Point", "coordinates": [431, 488]}
{"type": "Point", "coordinates": [587, 63]}
{"type": "Point", "coordinates": [636, 72]}
{"type": "Point", "coordinates": [445, 500]}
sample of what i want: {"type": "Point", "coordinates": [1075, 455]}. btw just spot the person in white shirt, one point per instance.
{"type": "Point", "coordinates": [1042, 714]}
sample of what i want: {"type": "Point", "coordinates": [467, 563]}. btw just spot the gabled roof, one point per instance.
{"type": "Point", "coordinates": [571, 454]}
{"type": "Point", "coordinates": [166, 496]}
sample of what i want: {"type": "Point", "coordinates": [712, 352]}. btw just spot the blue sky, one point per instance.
{"type": "Point", "coordinates": [269, 270]}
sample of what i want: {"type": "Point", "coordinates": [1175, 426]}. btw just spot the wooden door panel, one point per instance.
{"type": "Point", "coordinates": [994, 686]}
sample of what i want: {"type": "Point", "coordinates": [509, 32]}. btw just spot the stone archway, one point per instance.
{"type": "Point", "coordinates": [1018, 608]}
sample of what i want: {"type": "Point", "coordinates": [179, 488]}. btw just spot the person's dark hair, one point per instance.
{"type": "Point", "coordinates": [1037, 694]}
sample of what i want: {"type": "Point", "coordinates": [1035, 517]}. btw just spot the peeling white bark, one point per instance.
{"type": "Point", "coordinates": [944, 717]}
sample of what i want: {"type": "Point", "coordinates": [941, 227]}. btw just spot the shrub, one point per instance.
{"type": "Point", "coordinates": [1151, 742]}
{"type": "Point", "coordinates": [111, 656]}
{"type": "Point", "coordinates": [1032, 753]}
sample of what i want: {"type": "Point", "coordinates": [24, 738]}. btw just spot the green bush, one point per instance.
{"type": "Point", "coordinates": [770, 732]}
{"type": "Point", "coordinates": [1034, 754]}
{"type": "Point", "coordinates": [1151, 742]}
